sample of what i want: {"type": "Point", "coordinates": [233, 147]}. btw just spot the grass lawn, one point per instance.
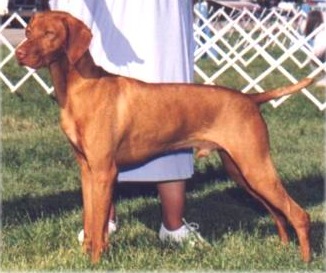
{"type": "Point", "coordinates": [41, 199]}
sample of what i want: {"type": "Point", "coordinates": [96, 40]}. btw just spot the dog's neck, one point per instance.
{"type": "Point", "coordinates": [84, 68]}
{"type": "Point", "coordinates": [58, 71]}
{"type": "Point", "coordinates": [87, 68]}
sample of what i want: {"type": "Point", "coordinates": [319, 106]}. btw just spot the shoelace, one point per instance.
{"type": "Point", "coordinates": [193, 227]}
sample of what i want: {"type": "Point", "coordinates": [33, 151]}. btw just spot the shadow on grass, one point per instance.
{"type": "Point", "coordinates": [234, 209]}
{"type": "Point", "coordinates": [15, 212]}
{"type": "Point", "coordinates": [218, 211]}
{"type": "Point", "coordinates": [33, 208]}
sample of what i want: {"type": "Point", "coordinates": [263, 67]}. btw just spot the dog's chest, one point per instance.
{"type": "Point", "coordinates": [70, 128]}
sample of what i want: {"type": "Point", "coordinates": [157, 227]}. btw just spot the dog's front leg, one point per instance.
{"type": "Point", "coordinates": [103, 179]}
{"type": "Point", "coordinates": [86, 180]}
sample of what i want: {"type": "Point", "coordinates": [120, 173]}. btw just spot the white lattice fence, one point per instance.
{"type": "Point", "coordinates": [257, 49]}
{"type": "Point", "coordinates": [254, 49]}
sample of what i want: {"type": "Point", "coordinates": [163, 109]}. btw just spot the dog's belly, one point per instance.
{"type": "Point", "coordinates": [129, 155]}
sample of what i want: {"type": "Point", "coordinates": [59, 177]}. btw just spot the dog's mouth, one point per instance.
{"type": "Point", "coordinates": [26, 60]}
{"type": "Point", "coordinates": [31, 64]}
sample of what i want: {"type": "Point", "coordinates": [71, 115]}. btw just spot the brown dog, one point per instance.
{"type": "Point", "coordinates": [113, 121]}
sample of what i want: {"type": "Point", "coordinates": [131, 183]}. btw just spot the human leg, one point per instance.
{"type": "Point", "coordinates": [174, 228]}
{"type": "Point", "coordinates": [173, 198]}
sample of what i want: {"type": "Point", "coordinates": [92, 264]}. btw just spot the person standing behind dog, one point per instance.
{"type": "Point", "coordinates": [151, 40]}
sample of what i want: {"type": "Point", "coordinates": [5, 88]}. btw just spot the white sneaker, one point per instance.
{"type": "Point", "coordinates": [112, 227]}
{"type": "Point", "coordinates": [187, 233]}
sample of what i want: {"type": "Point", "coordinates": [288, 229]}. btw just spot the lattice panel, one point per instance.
{"type": "Point", "coordinates": [256, 50]}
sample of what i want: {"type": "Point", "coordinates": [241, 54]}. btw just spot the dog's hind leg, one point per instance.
{"type": "Point", "coordinates": [258, 172]}
{"type": "Point", "coordinates": [235, 174]}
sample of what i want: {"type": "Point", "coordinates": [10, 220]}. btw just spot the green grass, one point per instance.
{"type": "Point", "coordinates": [41, 203]}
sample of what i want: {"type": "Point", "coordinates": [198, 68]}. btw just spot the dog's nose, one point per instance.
{"type": "Point", "coordinates": [20, 53]}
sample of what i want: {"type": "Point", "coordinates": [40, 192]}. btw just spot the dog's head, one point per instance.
{"type": "Point", "coordinates": [49, 36]}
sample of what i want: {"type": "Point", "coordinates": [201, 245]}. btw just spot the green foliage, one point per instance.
{"type": "Point", "coordinates": [41, 203]}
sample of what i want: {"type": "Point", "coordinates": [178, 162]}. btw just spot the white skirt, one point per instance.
{"type": "Point", "coordinates": [151, 40]}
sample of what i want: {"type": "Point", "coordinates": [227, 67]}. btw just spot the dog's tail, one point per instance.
{"type": "Point", "coordinates": [260, 98]}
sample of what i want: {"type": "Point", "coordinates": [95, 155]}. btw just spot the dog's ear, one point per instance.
{"type": "Point", "coordinates": [78, 39]}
